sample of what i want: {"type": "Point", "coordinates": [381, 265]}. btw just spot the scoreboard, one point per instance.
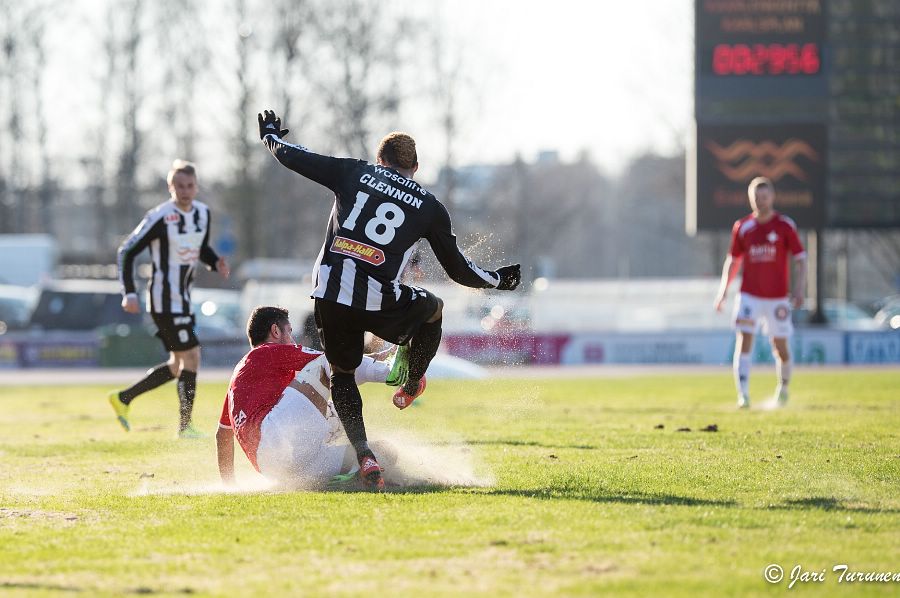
{"type": "Point", "coordinates": [806, 92]}
{"type": "Point", "coordinates": [761, 109]}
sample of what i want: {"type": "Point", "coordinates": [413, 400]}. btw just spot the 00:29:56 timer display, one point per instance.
{"type": "Point", "coordinates": [766, 59]}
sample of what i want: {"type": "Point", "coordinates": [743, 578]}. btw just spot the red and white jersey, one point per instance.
{"type": "Point", "coordinates": [766, 249]}
{"type": "Point", "coordinates": [256, 386]}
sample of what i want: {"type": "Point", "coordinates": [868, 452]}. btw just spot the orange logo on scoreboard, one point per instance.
{"type": "Point", "coordinates": [744, 159]}
{"type": "Point", "coordinates": [361, 251]}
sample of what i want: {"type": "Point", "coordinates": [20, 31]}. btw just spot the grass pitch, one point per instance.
{"type": "Point", "coordinates": [589, 496]}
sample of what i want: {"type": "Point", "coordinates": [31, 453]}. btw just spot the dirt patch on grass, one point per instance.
{"type": "Point", "coordinates": [64, 517]}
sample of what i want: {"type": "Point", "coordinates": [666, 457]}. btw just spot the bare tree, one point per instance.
{"type": "Point", "coordinates": [15, 178]}
{"type": "Point", "coordinates": [241, 199]}
{"type": "Point", "coordinates": [127, 207]}
{"type": "Point", "coordinates": [360, 73]}
{"type": "Point", "coordinates": [450, 90]}
{"type": "Point", "coordinates": [47, 187]}
{"type": "Point", "coordinates": [182, 40]}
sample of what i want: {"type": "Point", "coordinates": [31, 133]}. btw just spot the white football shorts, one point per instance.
{"type": "Point", "coordinates": [294, 443]}
{"type": "Point", "coordinates": [774, 314]}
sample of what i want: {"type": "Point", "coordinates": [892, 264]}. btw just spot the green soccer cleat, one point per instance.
{"type": "Point", "coordinates": [120, 408]}
{"type": "Point", "coordinates": [191, 433]}
{"type": "Point", "coordinates": [399, 373]}
{"type": "Point", "coordinates": [345, 482]}
{"type": "Point", "coordinates": [743, 401]}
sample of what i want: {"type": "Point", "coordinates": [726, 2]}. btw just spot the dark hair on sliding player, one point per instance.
{"type": "Point", "coordinates": [261, 321]}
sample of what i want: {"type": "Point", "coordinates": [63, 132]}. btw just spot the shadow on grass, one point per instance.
{"type": "Point", "coordinates": [829, 503]}
{"type": "Point", "coordinates": [46, 587]}
{"type": "Point", "coordinates": [588, 447]}
{"type": "Point", "coordinates": [599, 495]}
{"type": "Point", "coordinates": [591, 495]}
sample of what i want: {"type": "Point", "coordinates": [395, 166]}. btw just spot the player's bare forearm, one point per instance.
{"type": "Point", "coordinates": [799, 281]}
{"type": "Point", "coordinates": [306, 389]}
{"type": "Point", "coordinates": [225, 452]}
{"type": "Point", "coordinates": [223, 268]}
{"type": "Point", "coordinates": [729, 270]}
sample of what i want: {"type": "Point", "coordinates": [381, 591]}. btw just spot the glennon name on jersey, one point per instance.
{"type": "Point", "coordinates": [390, 191]}
{"type": "Point", "coordinates": [376, 221]}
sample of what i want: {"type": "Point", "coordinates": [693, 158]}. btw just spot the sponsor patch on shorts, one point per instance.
{"type": "Point", "coordinates": [361, 251]}
{"type": "Point", "coordinates": [782, 312]}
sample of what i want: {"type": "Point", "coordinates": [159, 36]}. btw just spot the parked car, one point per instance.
{"type": "Point", "coordinates": [80, 305]}
{"type": "Point", "coordinates": [839, 314]}
{"type": "Point", "coordinates": [16, 305]}
{"type": "Point", "coordinates": [888, 314]}
{"type": "Point", "coordinates": [218, 312]}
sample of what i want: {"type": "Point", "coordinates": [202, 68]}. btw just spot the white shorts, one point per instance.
{"type": "Point", "coordinates": [774, 314]}
{"type": "Point", "coordinates": [294, 443]}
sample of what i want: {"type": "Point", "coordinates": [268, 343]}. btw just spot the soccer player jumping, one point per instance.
{"type": "Point", "coordinates": [763, 242]}
{"type": "Point", "coordinates": [379, 215]}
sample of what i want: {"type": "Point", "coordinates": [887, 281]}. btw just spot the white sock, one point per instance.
{"type": "Point", "coordinates": [372, 371]}
{"type": "Point", "coordinates": [741, 365]}
{"type": "Point", "coordinates": [783, 372]}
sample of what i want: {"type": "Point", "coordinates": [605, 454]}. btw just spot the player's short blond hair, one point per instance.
{"type": "Point", "coordinates": [398, 150]}
{"type": "Point", "coordinates": [758, 182]}
{"type": "Point", "coordinates": [181, 166]}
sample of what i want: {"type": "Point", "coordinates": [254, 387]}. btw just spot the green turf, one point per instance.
{"type": "Point", "coordinates": [589, 498]}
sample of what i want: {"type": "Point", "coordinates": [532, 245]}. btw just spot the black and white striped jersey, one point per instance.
{"type": "Point", "coordinates": [177, 241]}
{"type": "Point", "coordinates": [377, 219]}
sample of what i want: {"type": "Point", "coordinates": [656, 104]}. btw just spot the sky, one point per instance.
{"type": "Point", "coordinates": [611, 77]}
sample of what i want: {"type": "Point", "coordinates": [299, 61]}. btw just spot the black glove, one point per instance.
{"type": "Point", "coordinates": [269, 123]}
{"type": "Point", "coordinates": [510, 276]}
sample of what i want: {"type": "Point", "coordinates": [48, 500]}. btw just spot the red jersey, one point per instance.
{"type": "Point", "coordinates": [765, 249]}
{"type": "Point", "coordinates": [256, 386]}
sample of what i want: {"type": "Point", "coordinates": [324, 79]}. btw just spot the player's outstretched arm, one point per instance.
{"type": "Point", "coordinates": [798, 280]}
{"type": "Point", "coordinates": [209, 256]}
{"type": "Point", "coordinates": [324, 170]}
{"type": "Point", "coordinates": [225, 452]}
{"type": "Point", "coordinates": [729, 271]}
{"type": "Point", "coordinates": [459, 267]}
{"type": "Point", "coordinates": [149, 229]}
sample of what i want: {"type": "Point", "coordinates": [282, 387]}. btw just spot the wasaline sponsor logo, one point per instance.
{"type": "Point", "coordinates": [361, 251]}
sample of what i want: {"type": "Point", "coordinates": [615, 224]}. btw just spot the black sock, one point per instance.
{"type": "Point", "coordinates": [348, 404]}
{"type": "Point", "coordinates": [422, 349]}
{"type": "Point", "coordinates": [155, 377]}
{"type": "Point", "coordinates": [187, 388]}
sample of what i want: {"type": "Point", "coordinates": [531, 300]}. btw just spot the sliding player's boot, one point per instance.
{"type": "Point", "coordinates": [370, 473]}
{"type": "Point", "coordinates": [403, 399]}
{"type": "Point", "coordinates": [345, 482]}
{"type": "Point", "coordinates": [399, 367]}
{"type": "Point", "coordinates": [191, 433]}
{"type": "Point", "coordinates": [120, 408]}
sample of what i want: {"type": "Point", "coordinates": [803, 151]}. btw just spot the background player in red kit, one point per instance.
{"type": "Point", "coordinates": [764, 243]}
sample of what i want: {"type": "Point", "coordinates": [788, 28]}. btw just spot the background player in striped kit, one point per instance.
{"type": "Point", "coordinates": [177, 234]}
{"type": "Point", "coordinates": [764, 243]}
{"type": "Point", "coordinates": [379, 215]}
